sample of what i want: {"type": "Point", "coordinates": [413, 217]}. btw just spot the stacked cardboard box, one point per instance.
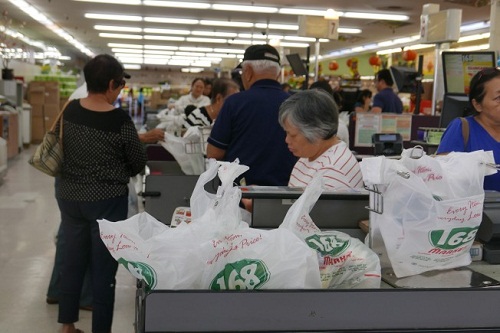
{"type": "Point", "coordinates": [45, 102]}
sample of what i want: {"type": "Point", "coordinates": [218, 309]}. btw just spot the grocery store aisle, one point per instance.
{"type": "Point", "coordinates": [29, 219]}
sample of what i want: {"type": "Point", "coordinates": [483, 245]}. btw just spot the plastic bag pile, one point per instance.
{"type": "Point", "coordinates": [216, 250]}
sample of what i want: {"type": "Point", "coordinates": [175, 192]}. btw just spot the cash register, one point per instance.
{"type": "Point", "coordinates": [388, 144]}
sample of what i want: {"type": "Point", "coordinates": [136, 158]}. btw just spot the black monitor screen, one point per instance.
{"type": "Point", "coordinates": [460, 67]}
{"type": "Point", "coordinates": [454, 106]}
{"type": "Point", "coordinates": [297, 64]}
{"type": "Point", "coordinates": [405, 79]}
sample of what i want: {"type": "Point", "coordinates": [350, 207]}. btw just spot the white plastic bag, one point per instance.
{"type": "Point", "coordinates": [344, 261]}
{"type": "Point", "coordinates": [432, 208]}
{"type": "Point", "coordinates": [189, 158]}
{"type": "Point", "coordinates": [153, 252]}
{"type": "Point", "coordinates": [238, 257]}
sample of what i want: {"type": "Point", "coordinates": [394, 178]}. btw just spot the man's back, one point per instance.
{"type": "Point", "coordinates": [388, 101]}
{"type": "Point", "coordinates": [247, 128]}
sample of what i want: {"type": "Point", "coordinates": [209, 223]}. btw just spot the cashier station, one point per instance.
{"type": "Point", "coordinates": [473, 306]}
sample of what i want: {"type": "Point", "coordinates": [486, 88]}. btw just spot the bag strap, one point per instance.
{"type": "Point", "coordinates": [59, 119]}
{"type": "Point", "coordinates": [465, 131]}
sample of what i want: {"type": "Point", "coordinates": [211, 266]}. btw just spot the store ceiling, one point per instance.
{"type": "Point", "coordinates": [69, 15]}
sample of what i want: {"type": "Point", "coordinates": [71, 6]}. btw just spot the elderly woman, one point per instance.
{"type": "Point", "coordinates": [310, 119]}
{"type": "Point", "coordinates": [480, 131]}
{"type": "Point", "coordinates": [101, 152]}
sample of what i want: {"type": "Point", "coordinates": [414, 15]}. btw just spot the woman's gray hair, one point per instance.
{"type": "Point", "coordinates": [263, 66]}
{"type": "Point", "coordinates": [313, 112]}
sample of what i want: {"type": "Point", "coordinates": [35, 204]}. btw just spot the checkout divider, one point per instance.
{"type": "Point", "coordinates": [473, 307]}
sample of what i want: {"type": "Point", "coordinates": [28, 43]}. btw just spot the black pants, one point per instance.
{"type": "Point", "coordinates": [84, 247]}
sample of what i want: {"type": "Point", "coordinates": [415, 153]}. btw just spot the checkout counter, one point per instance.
{"type": "Point", "coordinates": [459, 300]}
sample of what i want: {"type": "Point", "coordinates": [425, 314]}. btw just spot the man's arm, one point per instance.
{"type": "Point", "coordinates": [214, 152]}
{"type": "Point", "coordinates": [376, 109]}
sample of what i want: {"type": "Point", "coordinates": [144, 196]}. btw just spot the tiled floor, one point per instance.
{"type": "Point", "coordinates": [29, 219]}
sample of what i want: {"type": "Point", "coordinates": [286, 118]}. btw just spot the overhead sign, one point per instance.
{"type": "Point", "coordinates": [318, 27]}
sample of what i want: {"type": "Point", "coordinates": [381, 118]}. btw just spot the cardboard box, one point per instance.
{"type": "Point", "coordinates": [52, 96]}
{"type": "Point", "coordinates": [51, 110]}
{"type": "Point", "coordinates": [36, 97]}
{"type": "Point", "coordinates": [37, 128]}
{"type": "Point", "coordinates": [37, 110]}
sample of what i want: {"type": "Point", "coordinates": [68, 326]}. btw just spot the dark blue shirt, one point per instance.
{"type": "Point", "coordinates": [388, 101]}
{"type": "Point", "coordinates": [247, 128]}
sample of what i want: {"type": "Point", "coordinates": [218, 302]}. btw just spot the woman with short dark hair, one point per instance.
{"type": "Point", "coordinates": [310, 119]}
{"type": "Point", "coordinates": [101, 152]}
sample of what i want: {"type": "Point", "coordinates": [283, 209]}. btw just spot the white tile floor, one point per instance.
{"type": "Point", "coordinates": [29, 219]}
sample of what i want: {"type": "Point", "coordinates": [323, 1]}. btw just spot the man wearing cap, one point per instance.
{"type": "Point", "coordinates": [247, 126]}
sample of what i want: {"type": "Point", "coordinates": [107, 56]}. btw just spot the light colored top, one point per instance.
{"type": "Point", "coordinates": [340, 167]}
{"type": "Point", "coordinates": [188, 99]}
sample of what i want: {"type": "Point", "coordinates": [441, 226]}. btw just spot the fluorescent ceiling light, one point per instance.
{"type": "Point", "coordinates": [386, 43]}
{"type": "Point", "coordinates": [158, 52]}
{"type": "Point", "coordinates": [192, 70]}
{"type": "Point", "coordinates": [299, 45]}
{"type": "Point", "coordinates": [131, 46]}
{"type": "Point", "coordinates": [171, 38]}
{"type": "Point", "coordinates": [475, 26]}
{"type": "Point", "coordinates": [190, 55]}
{"type": "Point", "coordinates": [253, 36]}
{"type": "Point", "coordinates": [349, 30]}
{"type": "Point", "coordinates": [131, 66]}
{"type": "Point", "coordinates": [376, 16]}
{"type": "Point", "coordinates": [235, 51]}
{"type": "Point", "coordinates": [132, 18]}
{"type": "Point", "coordinates": [227, 23]}
{"type": "Point", "coordinates": [293, 27]}
{"type": "Point", "coordinates": [472, 48]}
{"type": "Point", "coordinates": [116, 2]}
{"type": "Point", "coordinates": [243, 42]}
{"type": "Point", "coordinates": [473, 37]}
{"type": "Point", "coordinates": [222, 55]}
{"type": "Point", "coordinates": [241, 8]}
{"type": "Point", "coordinates": [119, 50]}
{"type": "Point", "coordinates": [389, 51]}
{"type": "Point", "coordinates": [302, 11]}
{"type": "Point", "coordinates": [117, 28]}
{"type": "Point", "coordinates": [131, 60]}
{"type": "Point", "coordinates": [161, 47]}
{"type": "Point", "coordinates": [206, 40]}
{"type": "Point", "coordinates": [166, 31]}
{"type": "Point", "coordinates": [177, 4]}
{"type": "Point", "coordinates": [195, 49]}
{"type": "Point", "coordinates": [201, 64]}
{"type": "Point", "coordinates": [35, 14]}
{"type": "Point", "coordinates": [170, 20]}
{"type": "Point", "coordinates": [155, 61]}
{"type": "Point", "coordinates": [177, 62]}
{"type": "Point", "coordinates": [121, 36]}
{"type": "Point", "coordinates": [214, 33]}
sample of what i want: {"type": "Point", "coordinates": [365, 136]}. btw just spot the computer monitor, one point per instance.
{"type": "Point", "coordinates": [460, 67]}
{"type": "Point", "coordinates": [454, 105]}
{"type": "Point", "coordinates": [405, 79]}
{"type": "Point", "coordinates": [297, 64]}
